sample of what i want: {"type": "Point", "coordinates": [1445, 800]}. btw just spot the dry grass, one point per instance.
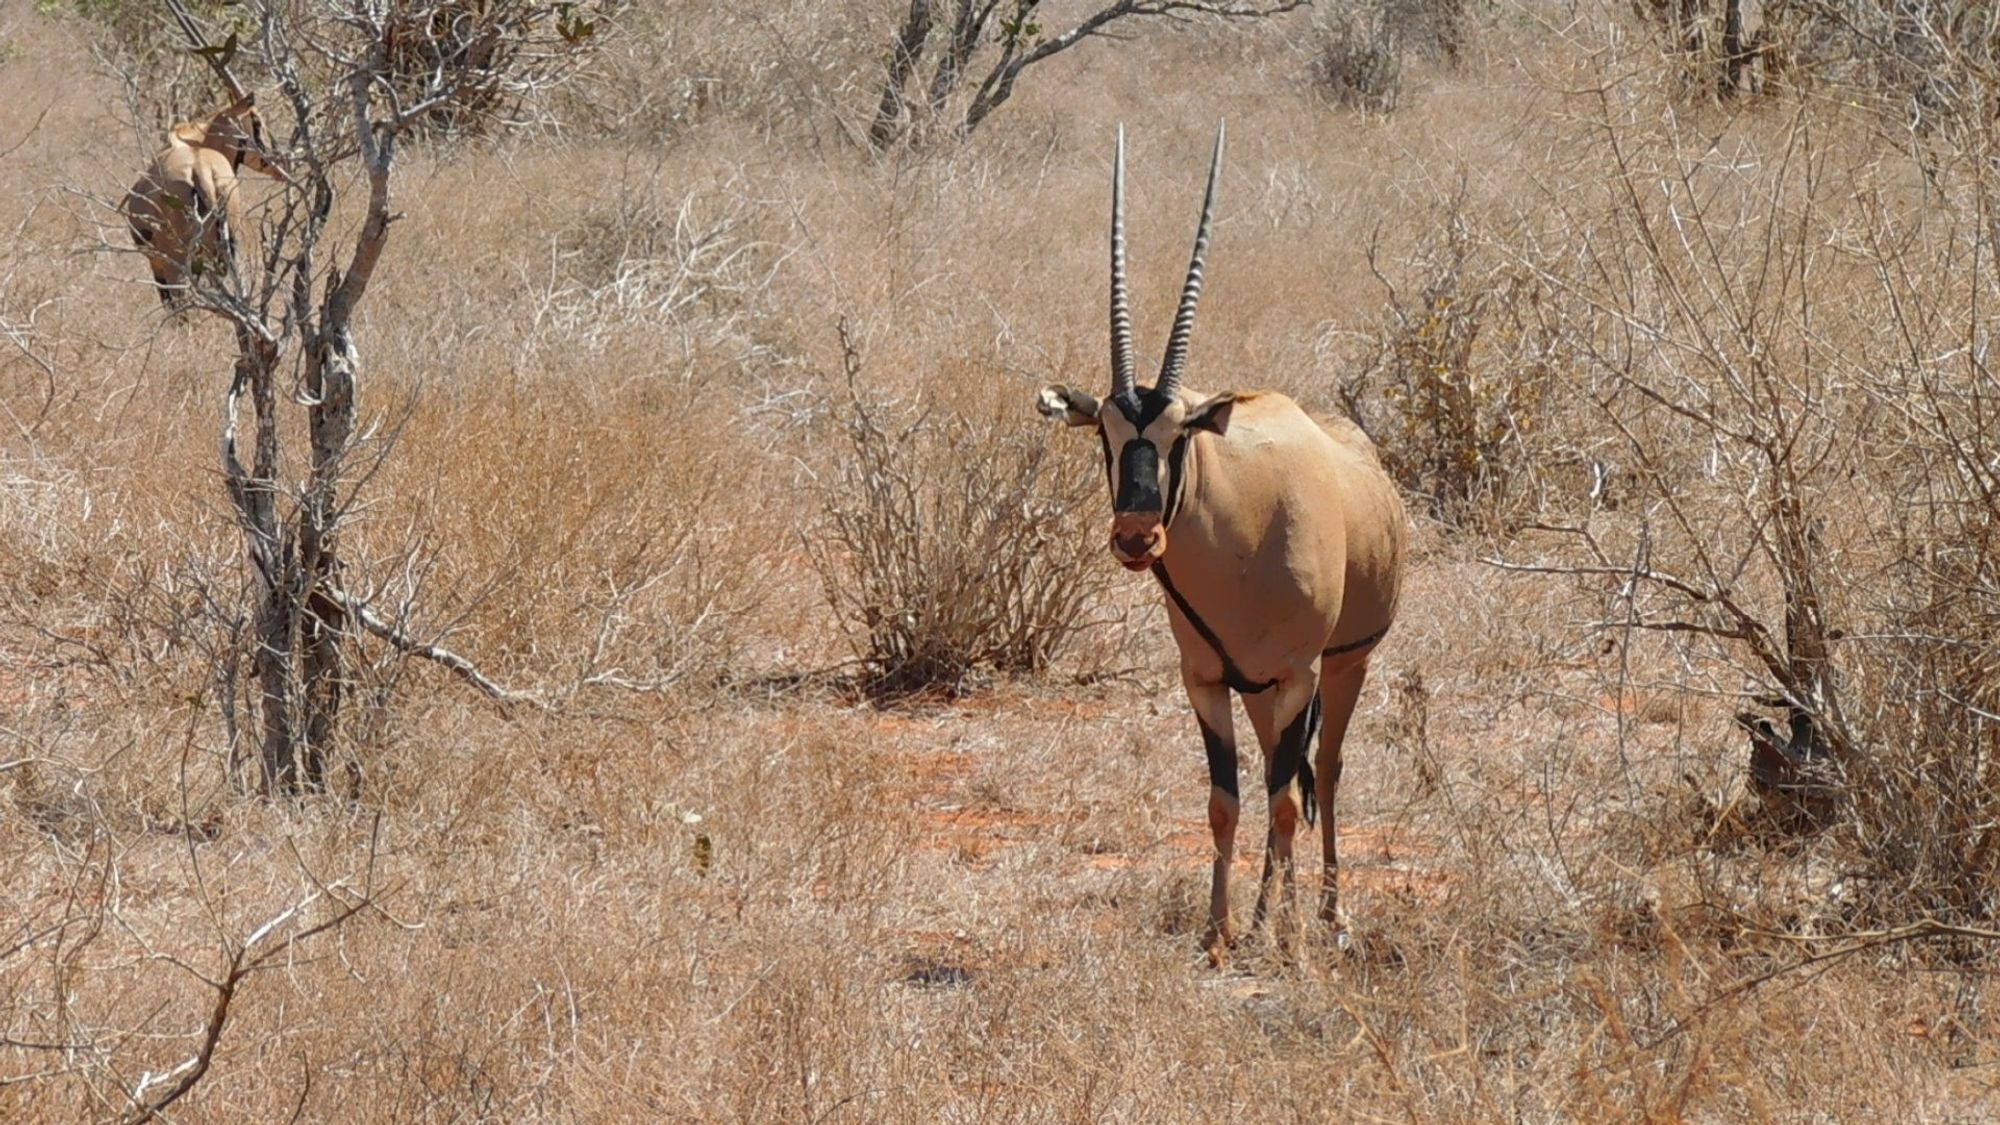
{"type": "Point", "coordinates": [733, 897]}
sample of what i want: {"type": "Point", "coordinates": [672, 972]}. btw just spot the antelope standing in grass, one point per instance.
{"type": "Point", "coordinates": [1278, 541]}
{"type": "Point", "coordinates": [183, 212]}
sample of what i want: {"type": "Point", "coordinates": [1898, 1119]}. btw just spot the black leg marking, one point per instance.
{"type": "Point", "coordinates": [1289, 759]}
{"type": "Point", "coordinates": [1221, 759]}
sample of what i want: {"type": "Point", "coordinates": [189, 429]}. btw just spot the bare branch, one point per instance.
{"type": "Point", "coordinates": [242, 962]}
{"type": "Point", "coordinates": [999, 83]}
{"type": "Point", "coordinates": [217, 58]}
{"type": "Point", "coordinates": [459, 665]}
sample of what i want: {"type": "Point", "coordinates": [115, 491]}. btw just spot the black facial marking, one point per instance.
{"type": "Point", "coordinates": [1175, 456]}
{"type": "Point", "coordinates": [1221, 758]}
{"type": "Point", "coordinates": [1231, 674]}
{"type": "Point", "coordinates": [1289, 759]}
{"type": "Point", "coordinates": [1104, 441]}
{"type": "Point", "coordinates": [1138, 477]}
{"type": "Point", "coordinates": [1141, 405]}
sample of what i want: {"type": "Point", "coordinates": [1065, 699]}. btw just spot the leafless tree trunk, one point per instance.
{"type": "Point", "coordinates": [1015, 26]}
{"type": "Point", "coordinates": [904, 56]}
{"type": "Point", "coordinates": [1734, 56]}
{"type": "Point", "coordinates": [293, 324]}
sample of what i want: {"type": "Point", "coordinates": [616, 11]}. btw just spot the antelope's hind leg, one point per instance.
{"type": "Point", "coordinates": [1218, 739]}
{"type": "Point", "coordinates": [1339, 692]}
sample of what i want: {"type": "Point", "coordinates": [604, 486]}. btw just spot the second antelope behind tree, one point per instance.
{"type": "Point", "coordinates": [184, 212]}
{"type": "Point", "coordinates": [1278, 542]}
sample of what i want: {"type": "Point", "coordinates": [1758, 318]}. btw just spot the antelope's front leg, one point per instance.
{"type": "Point", "coordinates": [1288, 780]}
{"type": "Point", "coordinates": [1218, 738]}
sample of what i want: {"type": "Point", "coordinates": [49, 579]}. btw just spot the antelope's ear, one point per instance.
{"type": "Point", "coordinates": [1212, 415]}
{"type": "Point", "coordinates": [1074, 407]}
{"type": "Point", "coordinates": [241, 106]}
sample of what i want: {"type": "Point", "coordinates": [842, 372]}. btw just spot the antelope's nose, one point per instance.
{"type": "Point", "coordinates": [1137, 540]}
{"type": "Point", "coordinates": [1133, 546]}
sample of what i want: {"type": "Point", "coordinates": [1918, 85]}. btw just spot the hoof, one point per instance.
{"type": "Point", "coordinates": [1217, 944]}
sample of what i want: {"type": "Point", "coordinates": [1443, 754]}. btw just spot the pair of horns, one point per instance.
{"type": "Point", "coordinates": [1123, 376]}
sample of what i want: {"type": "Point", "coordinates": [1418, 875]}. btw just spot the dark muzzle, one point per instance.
{"type": "Point", "coordinates": [1138, 529]}
{"type": "Point", "coordinates": [1138, 539]}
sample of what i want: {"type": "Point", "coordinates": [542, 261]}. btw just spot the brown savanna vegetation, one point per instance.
{"type": "Point", "coordinates": [847, 778]}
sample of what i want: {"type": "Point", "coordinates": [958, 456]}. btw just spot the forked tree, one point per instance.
{"type": "Point", "coordinates": [944, 45]}
{"type": "Point", "coordinates": [355, 78]}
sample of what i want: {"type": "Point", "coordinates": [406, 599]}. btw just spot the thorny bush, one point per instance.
{"type": "Point", "coordinates": [952, 546]}
{"type": "Point", "coordinates": [1458, 393]}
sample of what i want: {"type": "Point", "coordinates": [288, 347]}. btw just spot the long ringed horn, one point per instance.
{"type": "Point", "coordinates": [1124, 377]}
{"type": "Point", "coordinates": [1177, 343]}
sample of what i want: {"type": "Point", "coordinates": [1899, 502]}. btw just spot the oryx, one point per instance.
{"type": "Point", "coordinates": [183, 212]}
{"type": "Point", "coordinates": [1278, 541]}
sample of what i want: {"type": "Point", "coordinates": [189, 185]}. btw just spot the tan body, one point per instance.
{"type": "Point", "coordinates": [1278, 541]}
{"type": "Point", "coordinates": [1289, 547]}
{"type": "Point", "coordinates": [1254, 550]}
{"type": "Point", "coordinates": [184, 211]}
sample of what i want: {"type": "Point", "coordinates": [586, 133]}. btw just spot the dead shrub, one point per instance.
{"type": "Point", "coordinates": [1816, 510]}
{"type": "Point", "coordinates": [1459, 391]}
{"type": "Point", "coordinates": [952, 545]}
{"type": "Point", "coordinates": [484, 64]}
{"type": "Point", "coordinates": [664, 72]}
{"type": "Point", "coordinates": [1435, 28]}
{"type": "Point", "coordinates": [687, 267]}
{"type": "Point", "coordinates": [1925, 665]}
{"type": "Point", "coordinates": [1358, 61]}
{"type": "Point", "coordinates": [1927, 803]}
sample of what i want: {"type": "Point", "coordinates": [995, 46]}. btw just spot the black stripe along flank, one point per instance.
{"type": "Point", "coordinates": [1231, 674]}
{"type": "Point", "coordinates": [1360, 644]}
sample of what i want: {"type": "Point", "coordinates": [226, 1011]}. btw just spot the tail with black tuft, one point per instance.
{"type": "Point", "coordinates": [1308, 802]}
{"type": "Point", "coordinates": [1308, 799]}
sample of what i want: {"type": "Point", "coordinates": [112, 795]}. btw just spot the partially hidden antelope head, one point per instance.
{"type": "Point", "coordinates": [1278, 542]}
{"type": "Point", "coordinates": [183, 212]}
